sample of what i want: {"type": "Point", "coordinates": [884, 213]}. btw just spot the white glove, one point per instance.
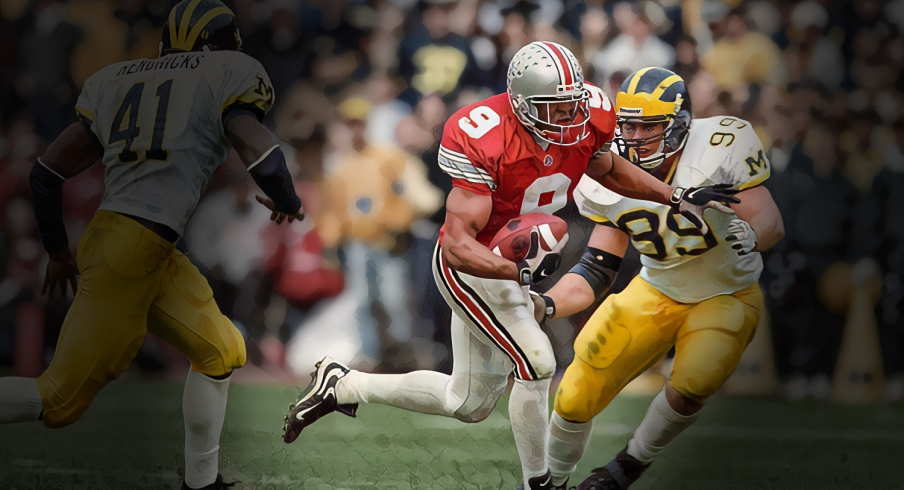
{"type": "Point", "coordinates": [539, 264]}
{"type": "Point", "coordinates": [741, 233]}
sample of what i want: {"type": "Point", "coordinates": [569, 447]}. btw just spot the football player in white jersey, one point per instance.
{"type": "Point", "coordinates": [161, 127]}
{"type": "Point", "coordinates": [697, 290]}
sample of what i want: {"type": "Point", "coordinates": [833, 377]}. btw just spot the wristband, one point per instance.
{"type": "Point", "coordinates": [550, 307]}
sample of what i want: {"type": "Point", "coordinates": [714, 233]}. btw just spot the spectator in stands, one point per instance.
{"type": "Point", "coordinates": [372, 195]}
{"type": "Point", "coordinates": [635, 48]}
{"type": "Point", "coordinates": [434, 60]}
{"type": "Point", "coordinates": [812, 56]}
{"type": "Point", "coordinates": [740, 56]}
{"type": "Point", "coordinates": [45, 79]}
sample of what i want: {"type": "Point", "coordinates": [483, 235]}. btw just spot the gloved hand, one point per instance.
{"type": "Point", "coordinates": [742, 236]}
{"type": "Point", "coordinates": [540, 263]}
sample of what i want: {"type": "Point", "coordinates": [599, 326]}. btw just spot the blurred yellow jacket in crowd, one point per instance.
{"type": "Point", "coordinates": [752, 59]}
{"type": "Point", "coordinates": [373, 195]}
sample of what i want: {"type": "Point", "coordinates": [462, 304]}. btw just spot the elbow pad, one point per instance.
{"type": "Point", "coordinates": [47, 193]}
{"type": "Point", "coordinates": [599, 269]}
{"type": "Point", "coordinates": [272, 176]}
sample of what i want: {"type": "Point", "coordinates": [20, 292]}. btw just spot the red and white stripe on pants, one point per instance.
{"type": "Point", "coordinates": [490, 316]}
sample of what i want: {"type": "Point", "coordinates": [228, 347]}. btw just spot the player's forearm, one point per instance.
{"type": "Point", "coordinates": [632, 181]}
{"type": "Point", "coordinates": [592, 277]}
{"type": "Point", "coordinates": [572, 294]}
{"type": "Point", "coordinates": [265, 161]}
{"type": "Point", "coordinates": [47, 192]}
{"type": "Point", "coordinates": [272, 176]}
{"type": "Point", "coordinates": [466, 254]}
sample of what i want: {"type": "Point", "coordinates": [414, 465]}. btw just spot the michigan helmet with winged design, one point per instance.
{"type": "Point", "coordinates": [652, 95]}
{"type": "Point", "coordinates": [196, 25]}
{"type": "Point", "coordinates": [548, 73]}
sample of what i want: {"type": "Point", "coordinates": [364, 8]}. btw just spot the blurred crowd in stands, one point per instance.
{"type": "Point", "coordinates": [362, 90]}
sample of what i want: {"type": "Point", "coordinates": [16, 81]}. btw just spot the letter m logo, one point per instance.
{"type": "Point", "coordinates": [264, 90]}
{"type": "Point", "coordinates": [757, 165]}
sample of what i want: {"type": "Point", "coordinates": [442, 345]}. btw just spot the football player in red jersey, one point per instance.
{"type": "Point", "coordinates": [508, 155]}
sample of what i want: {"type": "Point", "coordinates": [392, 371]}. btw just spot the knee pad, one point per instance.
{"type": "Point", "coordinates": [228, 355]}
{"type": "Point", "coordinates": [583, 393]}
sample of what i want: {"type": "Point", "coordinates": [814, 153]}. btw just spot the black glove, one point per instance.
{"type": "Point", "coordinates": [691, 202]}
{"type": "Point", "coordinates": [701, 196]}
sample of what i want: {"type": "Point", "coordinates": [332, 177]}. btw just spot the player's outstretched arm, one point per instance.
{"type": "Point", "coordinates": [70, 154]}
{"type": "Point", "coordinates": [589, 280]}
{"type": "Point", "coordinates": [759, 225]}
{"type": "Point", "coordinates": [466, 214]}
{"type": "Point", "coordinates": [260, 153]}
{"type": "Point", "coordinates": [619, 175]}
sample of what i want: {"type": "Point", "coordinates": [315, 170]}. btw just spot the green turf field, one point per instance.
{"type": "Point", "coordinates": [132, 438]}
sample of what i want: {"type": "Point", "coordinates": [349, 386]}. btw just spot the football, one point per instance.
{"type": "Point", "coordinates": [512, 241]}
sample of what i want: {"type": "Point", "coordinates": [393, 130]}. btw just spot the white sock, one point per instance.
{"type": "Point", "coordinates": [658, 428]}
{"type": "Point", "coordinates": [566, 445]}
{"type": "Point", "coordinates": [20, 400]}
{"type": "Point", "coordinates": [418, 391]}
{"type": "Point", "coordinates": [529, 413]}
{"type": "Point", "coordinates": [203, 409]}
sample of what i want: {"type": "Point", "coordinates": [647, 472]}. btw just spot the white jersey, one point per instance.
{"type": "Point", "coordinates": [160, 123]}
{"type": "Point", "coordinates": [678, 259]}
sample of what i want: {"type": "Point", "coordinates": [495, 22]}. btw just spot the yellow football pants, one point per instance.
{"type": "Point", "coordinates": [132, 281]}
{"type": "Point", "coordinates": [635, 328]}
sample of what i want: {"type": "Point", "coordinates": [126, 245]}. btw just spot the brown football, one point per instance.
{"type": "Point", "coordinates": [512, 241]}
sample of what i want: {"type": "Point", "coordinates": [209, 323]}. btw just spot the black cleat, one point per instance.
{"type": "Point", "coordinates": [216, 485]}
{"type": "Point", "coordinates": [619, 474]}
{"type": "Point", "coordinates": [317, 400]}
{"type": "Point", "coordinates": [542, 483]}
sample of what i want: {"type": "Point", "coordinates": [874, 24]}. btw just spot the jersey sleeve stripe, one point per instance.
{"type": "Point", "coordinates": [453, 153]}
{"type": "Point", "coordinates": [452, 156]}
{"type": "Point", "coordinates": [457, 171]}
{"type": "Point", "coordinates": [463, 163]}
{"type": "Point", "coordinates": [464, 168]}
{"type": "Point", "coordinates": [759, 179]}
{"type": "Point", "coordinates": [81, 111]}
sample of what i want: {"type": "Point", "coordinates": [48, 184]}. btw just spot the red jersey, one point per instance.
{"type": "Point", "coordinates": [488, 151]}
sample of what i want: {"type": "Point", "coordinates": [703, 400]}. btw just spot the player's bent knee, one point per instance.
{"type": "Point", "coordinates": [572, 409]}
{"type": "Point", "coordinates": [482, 396]}
{"type": "Point", "coordinates": [682, 403]}
{"type": "Point", "coordinates": [541, 359]}
{"type": "Point", "coordinates": [544, 365]}
{"type": "Point", "coordinates": [58, 413]}
{"type": "Point", "coordinates": [583, 393]}
{"type": "Point", "coordinates": [63, 401]}
{"type": "Point", "coordinates": [218, 361]}
{"type": "Point", "coordinates": [475, 416]}
{"type": "Point", "coordinates": [694, 393]}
